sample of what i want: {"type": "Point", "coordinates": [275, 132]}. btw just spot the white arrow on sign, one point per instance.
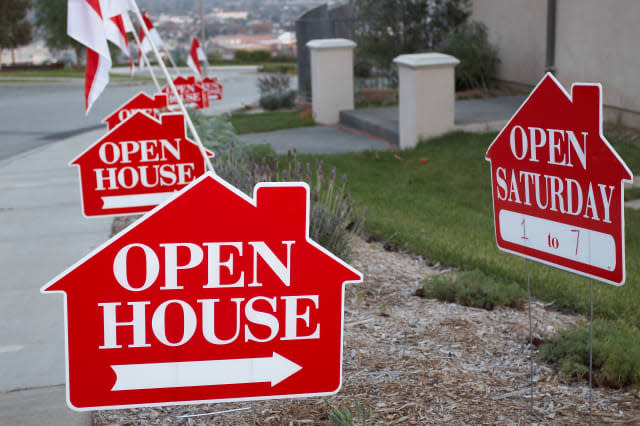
{"type": "Point", "coordinates": [135, 200]}
{"type": "Point", "coordinates": [204, 373]}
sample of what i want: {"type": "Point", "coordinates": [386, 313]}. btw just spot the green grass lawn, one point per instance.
{"type": "Point", "coordinates": [270, 121]}
{"type": "Point", "coordinates": [442, 210]}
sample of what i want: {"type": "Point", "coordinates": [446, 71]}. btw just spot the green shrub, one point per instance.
{"type": "Point", "coordinates": [216, 132]}
{"type": "Point", "coordinates": [473, 288]}
{"type": "Point", "coordinates": [362, 68]}
{"type": "Point", "coordinates": [478, 58]}
{"type": "Point", "coordinates": [271, 102]}
{"type": "Point", "coordinates": [275, 101]}
{"type": "Point", "coordinates": [279, 67]}
{"type": "Point", "coordinates": [252, 56]}
{"type": "Point", "coordinates": [288, 99]}
{"type": "Point", "coordinates": [616, 352]}
{"type": "Point", "coordinates": [632, 194]}
{"type": "Point", "coordinates": [275, 92]}
{"type": "Point", "coordinates": [272, 84]}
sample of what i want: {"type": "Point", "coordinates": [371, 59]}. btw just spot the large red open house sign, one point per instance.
{"type": "Point", "coordinates": [137, 165]}
{"type": "Point", "coordinates": [557, 184]}
{"type": "Point", "coordinates": [212, 296]}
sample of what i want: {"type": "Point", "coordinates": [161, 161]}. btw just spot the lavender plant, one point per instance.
{"type": "Point", "coordinates": [333, 214]}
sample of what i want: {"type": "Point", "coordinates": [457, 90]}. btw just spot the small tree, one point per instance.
{"type": "Point", "coordinates": [15, 30]}
{"type": "Point", "coordinates": [51, 16]}
{"type": "Point", "coordinates": [478, 58]}
{"type": "Point", "coordinates": [388, 28]}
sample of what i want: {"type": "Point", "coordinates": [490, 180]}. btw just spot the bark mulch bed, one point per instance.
{"type": "Point", "coordinates": [421, 361]}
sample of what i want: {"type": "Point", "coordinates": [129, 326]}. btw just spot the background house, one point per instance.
{"type": "Point", "coordinates": [579, 40]}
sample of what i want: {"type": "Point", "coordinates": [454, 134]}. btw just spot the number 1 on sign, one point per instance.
{"type": "Point", "coordinates": [524, 230]}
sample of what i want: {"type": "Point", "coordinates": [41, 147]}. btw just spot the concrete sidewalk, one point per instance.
{"type": "Point", "coordinates": [43, 232]}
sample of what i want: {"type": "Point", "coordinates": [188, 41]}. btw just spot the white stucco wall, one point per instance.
{"type": "Point", "coordinates": [599, 40]}
{"type": "Point", "coordinates": [518, 29]}
{"type": "Point", "coordinates": [596, 41]}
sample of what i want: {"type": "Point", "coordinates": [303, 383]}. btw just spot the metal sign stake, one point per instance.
{"type": "Point", "coordinates": [590, 350]}
{"type": "Point", "coordinates": [530, 336]}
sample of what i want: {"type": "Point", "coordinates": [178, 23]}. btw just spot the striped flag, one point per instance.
{"type": "Point", "coordinates": [145, 44]}
{"type": "Point", "coordinates": [155, 35]}
{"type": "Point", "coordinates": [85, 24]}
{"type": "Point", "coordinates": [195, 56]}
{"type": "Point", "coordinates": [118, 25]}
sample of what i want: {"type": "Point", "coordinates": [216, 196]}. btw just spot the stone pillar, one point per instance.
{"type": "Point", "coordinates": [427, 96]}
{"type": "Point", "coordinates": [331, 78]}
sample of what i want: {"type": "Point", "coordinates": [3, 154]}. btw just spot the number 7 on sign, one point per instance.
{"type": "Point", "coordinates": [577, 231]}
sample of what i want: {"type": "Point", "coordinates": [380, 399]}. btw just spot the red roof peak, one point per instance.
{"type": "Point", "coordinates": [549, 107]}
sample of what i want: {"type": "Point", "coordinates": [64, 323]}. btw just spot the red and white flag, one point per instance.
{"type": "Point", "coordinates": [128, 28]}
{"type": "Point", "coordinates": [118, 24]}
{"type": "Point", "coordinates": [115, 7]}
{"type": "Point", "coordinates": [155, 35]}
{"type": "Point", "coordinates": [85, 24]}
{"type": "Point", "coordinates": [117, 34]}
{"type": "Point", "coordinates": [145, 44]}
{"type": "Point", "coordinates": [195, 56]}
{"type": "Point", "coordinates": [145, 47]}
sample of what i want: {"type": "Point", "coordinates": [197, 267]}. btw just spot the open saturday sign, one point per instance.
{"type": "Point", "coordinates": [558, 186]}
{"type": "Point", "coordinates": [212, 296]}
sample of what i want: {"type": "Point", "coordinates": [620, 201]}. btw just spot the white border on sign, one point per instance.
{"type": "Point", "coordinates": [607, 144]}
{"type": "Point", "coordinates": [157, 120]}
{"type": "Point", "coordinates": [252, 202]}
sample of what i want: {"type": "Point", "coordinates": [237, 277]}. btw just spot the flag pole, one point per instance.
{"type": "Point", "coordinates": [146, 60]}
{"type": "Point", "coordinates": [204, 40]}
{"type": "Point", "coordinates": [173, 64]}
{"type": "Point", "coordinates": [190, 125]}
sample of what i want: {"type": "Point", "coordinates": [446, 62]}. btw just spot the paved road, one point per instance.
{"type": "Point", "coordinates": [36, 113]}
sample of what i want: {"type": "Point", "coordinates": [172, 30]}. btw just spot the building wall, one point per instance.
{"type": "Point", "coordinates": [518, 29]}
{"type": "Point", "coordinates": [596, 41]}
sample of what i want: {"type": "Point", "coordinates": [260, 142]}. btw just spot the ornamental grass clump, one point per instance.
{"type": "Point", "coordinates": [616, 353]}
{"type": "Point", "coordinates": [358, 415]}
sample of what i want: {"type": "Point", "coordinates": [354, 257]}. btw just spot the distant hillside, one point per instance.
{"type": "Point", "coordinates": [172, 6]}
{"type": "Point", "coordinates": [178, 6]}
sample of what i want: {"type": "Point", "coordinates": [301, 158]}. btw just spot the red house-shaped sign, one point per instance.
{"type": "Point", "coordinates": [212, 296]}
{"type": "Point", "coordinates": [139, 103]}
{"type": "Point", "coordinates": [557, 184]}
{"type": "Point", "coordinates": [137, 165]}
{"type": "Point", "coordinates": [213, 87]}
{"type": "Point", "coordinates": [190, 91]}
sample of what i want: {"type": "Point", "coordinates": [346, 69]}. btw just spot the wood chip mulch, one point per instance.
{"type": "Point", "coordinates": [421, 361]}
